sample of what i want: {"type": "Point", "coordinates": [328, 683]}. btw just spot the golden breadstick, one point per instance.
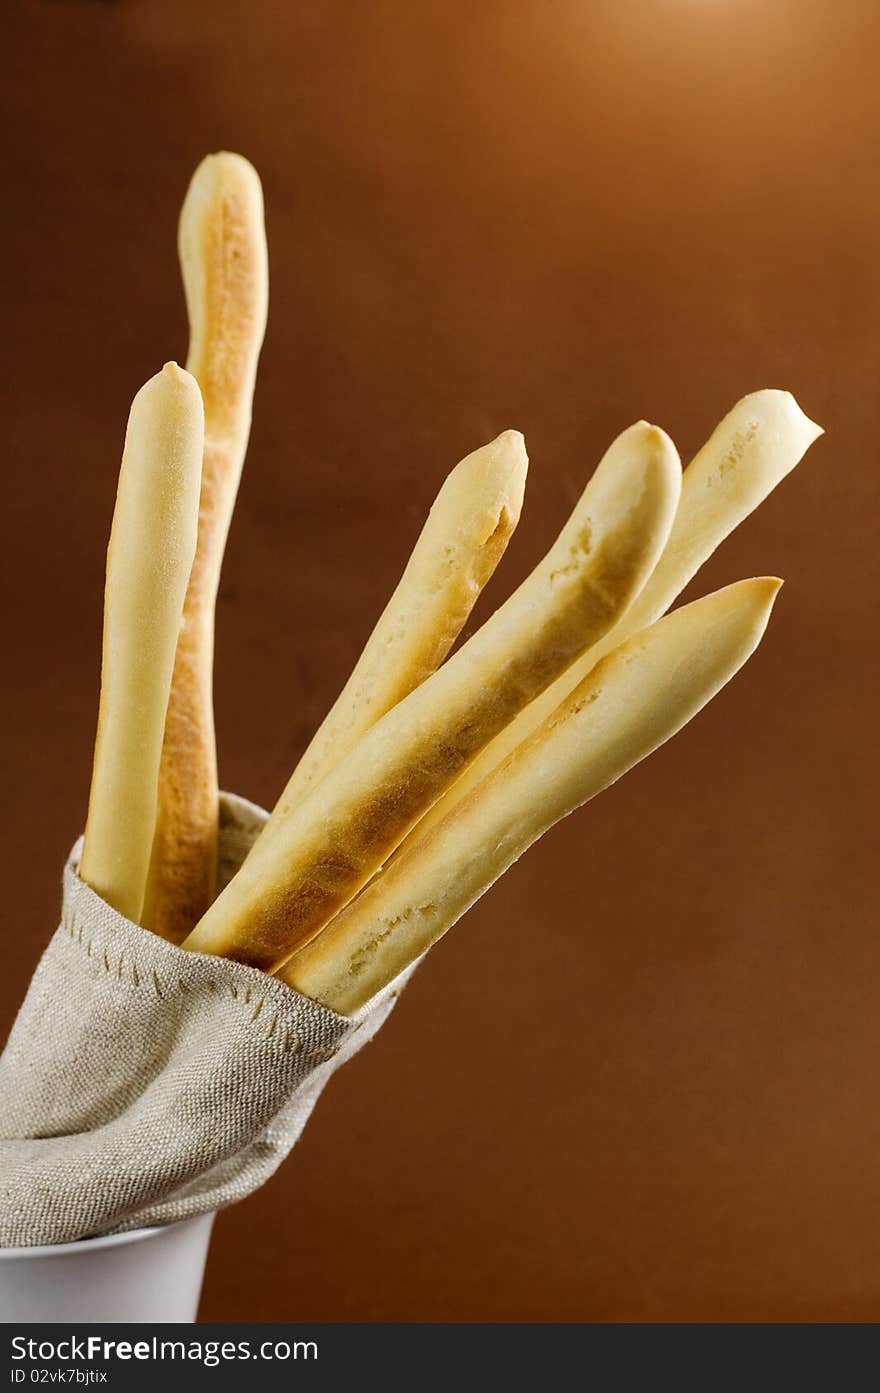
{"type": "Point", "coordinates": [464, 538]}
{"type": "Point", "coordinates": [634, 700]}
{"type": "Point", "coordinates": [151, 549]}
{"type": "Point", "coordinates": [747, 455]}
{"type": "Point", "coordinates": [320, 853]}
{"type": "Point", "coordinates": [223, 259]}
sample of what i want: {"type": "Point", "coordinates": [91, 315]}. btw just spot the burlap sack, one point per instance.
{"type": "Point", "coordinates": [142, 1084]}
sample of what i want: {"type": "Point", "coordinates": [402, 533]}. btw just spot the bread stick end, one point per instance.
{"type": "Point", "coordinates": [747, 604]}
{"type": "Point", "coordinates": [485, 490]}
{"type": "Point", "coordinates": [223, 167]}
{"type": "Point", "coordinates": [171, 390]}
{"type": "Point", "coordinates": [507, 454]}
{"type": "Point", "coordinates": [653, 437]}
{"type": "Point", "coordinates": [511, 440]}
{"type": "Point", "coordinates": [766, 589]}
{"type": "Point", "coordinates": [178, 375]}
{"type": "Point", "coordinates": [779, 408]}
{"type": "Point", "coordinates": [512, 460]}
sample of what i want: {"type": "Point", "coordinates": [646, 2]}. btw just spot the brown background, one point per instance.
{"type": "Point", "coordinates": [640, 1082]}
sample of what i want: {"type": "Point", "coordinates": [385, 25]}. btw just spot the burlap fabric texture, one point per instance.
{"type": "Point", "coordinates": [142, 1084]}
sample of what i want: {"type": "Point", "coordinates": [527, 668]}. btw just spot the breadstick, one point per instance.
{"type": "Point", "coordinates": [748, 454]}
{"type": "Point", "coordinates": [635, 699]}
{"type": "Point", "coordinates": [464, 538]}
{"type": "Point", "coordinates": [151, 549]}
{"type": "Point", "coordinates": [320, 853]}
{"type": "Point", "coordinates": [223, 259]}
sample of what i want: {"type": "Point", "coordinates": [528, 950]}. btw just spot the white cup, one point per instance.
{"type": "Point", "coordinates": [146, 1275]}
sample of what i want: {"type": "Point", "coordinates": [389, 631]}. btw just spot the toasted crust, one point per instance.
{"type": "Point", "coordinates": [151, 549]}
{"type": "Point", "coordinates": [311, 861]}
{"type": "Point", "coordinates": [223, 259]}
{"type": "Point", "coordinates": [472, 520]}
{"type": "Point", "coordinates": [748, 454]}
{"type": "Point", "coordinates": [634, 700]}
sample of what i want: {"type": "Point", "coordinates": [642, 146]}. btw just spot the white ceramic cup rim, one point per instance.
{"type": "Point", "coordinates": [81, 1245]}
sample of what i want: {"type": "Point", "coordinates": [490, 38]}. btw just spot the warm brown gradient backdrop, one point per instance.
{"type": "Point", "coordinates": [560, 216]}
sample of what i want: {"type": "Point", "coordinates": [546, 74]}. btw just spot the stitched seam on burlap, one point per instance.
{"type": "Point", "coordinates": [291, 1042]}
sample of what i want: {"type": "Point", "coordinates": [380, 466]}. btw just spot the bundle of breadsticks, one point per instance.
{"type": "Point", "coordinates": [429, 777]}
